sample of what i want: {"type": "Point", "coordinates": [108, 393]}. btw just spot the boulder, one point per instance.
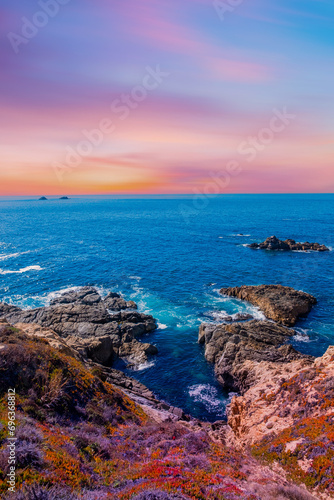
{"type": "Point", "coordinates": [279, 303]}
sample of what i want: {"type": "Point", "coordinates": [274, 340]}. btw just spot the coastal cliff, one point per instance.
{"type": "Point", "coordinates": [284, 410]}
{"type": "Point", "coordinates": [88, 431]}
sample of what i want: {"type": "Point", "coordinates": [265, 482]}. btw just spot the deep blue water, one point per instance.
{"type": "Point", "coordinates": [165, 255]}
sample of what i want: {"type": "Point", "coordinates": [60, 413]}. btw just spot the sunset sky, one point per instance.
{"type": "Point", "coordinates": [178, 89]}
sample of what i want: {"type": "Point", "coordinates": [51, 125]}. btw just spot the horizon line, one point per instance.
{"type": "Point", "coordinates": [52, 196]}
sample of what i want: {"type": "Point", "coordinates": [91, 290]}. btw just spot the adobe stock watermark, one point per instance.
{"type": "Point", "coordinates": [225, 7]}
{"type": "Point", "coordinates": [31, 27]}
{"type": "Point", "coordinates": [250, 148]}
{"type": "Point", "coordinates": [122, 109]}
{"type": "Point", "coordinates": [11, 419]}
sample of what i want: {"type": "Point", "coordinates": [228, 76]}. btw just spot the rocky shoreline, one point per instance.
{"type": "Point", "coordinates": [273, 243]}
{"type": "Point", "coordinates": [236, 348]}
{"type": "Point", "coordinates": [102, 329]}
{"type": "Point", "coordinates": [278, 427]}
{"type": "Point", "coordinates": [284, 409]}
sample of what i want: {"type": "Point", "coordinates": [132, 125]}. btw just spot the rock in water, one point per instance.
{"type": "Point", "coordinates": [280, 303]}
{"type": "Point", "coordinates": [82, 317]}
{"type": "Point", "coordinates": [273, 243]}
{"type": "Point", "coordinates": [42, 198]}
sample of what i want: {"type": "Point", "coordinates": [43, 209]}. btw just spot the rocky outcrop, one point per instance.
{"type": "Point", "coordinates": [273, 243]}
{"type": "Point", "coordinates": [84, 318]}
{"type": "Point", "coordinates": [281, 395]}
{"type": "Point", "coordinates": [93, 352]}
{"type": "Point", "coordinates": [287, 418]}
{"type": "Point", "coordinates": [279, 303]}
{"type": "Point", "coordinates": [234, 348]}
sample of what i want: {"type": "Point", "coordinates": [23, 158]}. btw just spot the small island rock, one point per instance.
{"type": "Point", "coordinates": [273, 243]}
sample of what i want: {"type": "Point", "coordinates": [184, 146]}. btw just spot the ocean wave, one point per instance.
{"type": "Point", "coordinates": [208, 396]}
{"type": "Point", "coordinates": [23, 270]}
{"type": "Point", "coordinates": [161, 326]}
{"type": "Point", "coordinates": [10, 255]}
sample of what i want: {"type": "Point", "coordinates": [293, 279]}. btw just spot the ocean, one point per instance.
{"type": "Point", "coordinates": [172, 255]}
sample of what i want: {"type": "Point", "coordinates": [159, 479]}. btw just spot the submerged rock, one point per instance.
{"type": "Point", "coordinates": [273, 243]}
{"type": "Point", "coordinates": [83, 317]}
{"type": "Point", "coordinates": [280, 303]}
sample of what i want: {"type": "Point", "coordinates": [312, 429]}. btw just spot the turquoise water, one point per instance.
{"type": "Point", "coordinates": [171, 257]}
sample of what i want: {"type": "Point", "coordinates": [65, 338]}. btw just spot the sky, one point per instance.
{"type": "Point", "coordinates": [166, 96]}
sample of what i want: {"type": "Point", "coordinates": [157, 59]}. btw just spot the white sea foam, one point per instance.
{"type": "Point", "coordinates": [208, 396]}
{"type": "Point", "coordinates": [301, 335]}
{"type": "Point", "coordinates": [23, 270]}
{"type": "Point", "coordinates": [5, 256]}
{"type": "Point", "coordinates": [161, 326]}
{"type": "Point", "coordinates": [9, 256]}
{"type": "Point", "coordinates": [143, 366]}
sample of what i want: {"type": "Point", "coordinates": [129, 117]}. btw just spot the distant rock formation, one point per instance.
{"type": "Point", "coordinates": [279, 303]}
{"type": "Point", "coordinates": [84, 319]}
{"type": "Point", "coordinates": [273, 243]}
{"type": "Point", "coordinates": [42, 198]}
{"type": "Point", "coordinates": [64, 198]}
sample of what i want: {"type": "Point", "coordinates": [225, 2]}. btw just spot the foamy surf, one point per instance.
{"type": "Point", "coordinates": [23, 270]}
{"type": "Point", "coordinates": [208, 396]}
{"type": "Point", "coordinates": [301, 335]}
{"type": "Point", "coordinates": [143, 366]}
{"type": "Point", "coordinates": [10, 255]}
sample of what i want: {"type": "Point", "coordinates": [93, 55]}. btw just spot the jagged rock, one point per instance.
{"type": "Point", "coordinates": [231, 347]}
{"type": "Point", "coordinates": [115, 302]}
{"type": "Point", "coordinates": [273, 243]}
{"type": "Point", "coordinates": [280, 303]}
{"type": "Point", "coordinates": [242, 317]}
{"type": "Point", "coordinates": [82, 314]}
{"type": "Point", "coordinates": [85, 295]}
{"type": "Point", "coordinates": [101, 350]}
{"type": "Point", "coordinates": [281, 395]}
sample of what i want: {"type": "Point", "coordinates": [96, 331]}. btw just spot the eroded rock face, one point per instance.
{"type": "Point", "coordinates": [83, 317]}
{"type": "Point", "coordinates": [233, 348]}
{"type": "Point", "coordinates": [273, 243]}
{"type": "Point", "coordinates": [284, 394]}
{"type": "Point", "coordinates": [279, 303]}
